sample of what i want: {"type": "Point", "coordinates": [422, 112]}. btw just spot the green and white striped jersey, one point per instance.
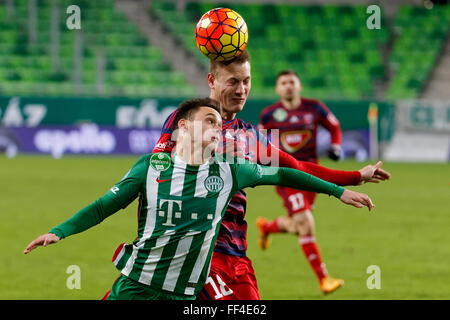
{"type": "Point", "coordinates": [180, 210]}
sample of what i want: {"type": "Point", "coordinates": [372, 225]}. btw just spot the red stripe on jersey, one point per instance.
{"type": "Point", "coordinates": [171, 118]}
{"type": "Point", "coordinates": [116, 253]}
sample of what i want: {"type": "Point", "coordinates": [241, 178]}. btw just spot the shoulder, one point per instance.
{"type": "Point", "coordinates": [315, 104]}
{"type": "Point", "coordinates": [168, 124]}
{"type": "Point", "coordinates": [266, 113]}
{"type": "Point", "coordinates": [270, 109]}
{"type": "Point", "coordinates": [139, 169]}
{"type": "Point", "coordinates": [241, 125]}
{"type": "Point", "coordinates": [155, 158]}
{"type": "Point", "coordinates": [229, 160]}
{"type": "Point", "coordinates": [251, 132]}
{"type": "Point", "coordinates": [157, 155]}
{"type": "Point", "coordinates": [311, 102]}
{"type": "Point", "coordinates": [142, 162]}
{"type": "Point", "coordinates": [246, 125]}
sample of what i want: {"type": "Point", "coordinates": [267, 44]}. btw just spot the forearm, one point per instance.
{"type": "Point", "coordinates": [339, 177]}
{"type": "Point", "coordinates": [335, 133]}
{"type": "Point", "coordinates": [299, 180]}
{"type": "Point", "coordinates": [86, 218]}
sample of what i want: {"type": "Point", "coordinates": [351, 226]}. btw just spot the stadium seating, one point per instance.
{"type": "Point", "coordinates": [330, 46]}
{"type": "Point", "coordinates": [323, 43]}
{"type": "Point", "coordinates": [421, 33]}
{"type": "Point", "coordinates": [132, 68]}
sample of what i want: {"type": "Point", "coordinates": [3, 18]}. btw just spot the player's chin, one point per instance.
{"type": "Point", "coordinates": [211, 146]}
{"type": "Point", "coordinates": [288, 97]}
{"type": "Point", "coordinates": [237, 105]}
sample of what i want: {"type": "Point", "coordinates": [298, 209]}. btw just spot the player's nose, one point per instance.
{"type": "Point", "coordinates": [240, 90]}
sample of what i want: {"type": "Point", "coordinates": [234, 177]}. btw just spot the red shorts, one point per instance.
{"type": "Point", "coordinates": [230, 278]}
{"type": "Point", "coordinates": [295, 200]}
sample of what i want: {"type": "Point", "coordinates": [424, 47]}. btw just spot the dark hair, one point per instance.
{"type": "Point", "coordinates": [286, 72]}
{"type": "Point", "coordinates": [241, 59]}
{"type": "Point", "coordinates": [188, 108]}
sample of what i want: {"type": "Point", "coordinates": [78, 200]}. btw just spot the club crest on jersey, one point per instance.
{"type": "Point", "coordinates": [214, 184]}
{"type": "Point", "coordinates": [293, 141]}
{"type": "Point", "coordinates": [280, 115]}
{"type": "Point", "coordinates": [160, 161]}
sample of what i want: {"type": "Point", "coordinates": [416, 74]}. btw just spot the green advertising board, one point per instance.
{"type": "Point", "coordinates": [151, 113]}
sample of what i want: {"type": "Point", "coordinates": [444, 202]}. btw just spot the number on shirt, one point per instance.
{"type": "Point", "coordinates": [297, 201]}
{"type": "Point", "coordinates": [222, 290]}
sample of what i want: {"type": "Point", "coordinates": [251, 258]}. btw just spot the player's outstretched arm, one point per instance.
{"type": "Point", "coordinates": [339, 177]}
{"type": "Point", "coordinates": [250, 175]}
{"type": "Point", "coordinates": [43, 240]}
{"type": "Point", "coordinates": [370, 173]}
{"type": "Point", "coordinates": [374, 173]}
{"type": "Point", "coordinates": [357, 199]}
{"type": "Point", "coordinates": [119, 196]}
{"type": "Point", "coordinates": [300, 180]}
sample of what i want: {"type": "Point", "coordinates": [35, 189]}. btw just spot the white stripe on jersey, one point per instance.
{"type": "Point", "coordinates": [152, 196]}
{"type": "Point", "coordinates": [174, 270]}
{"type": "Point", "coordinates": [152, 204]}
{"type": "Point", "coordinates": [177, 182]}
{"type": "Point", "coordinates": [225, 174]}
{"type": "Point", "coordinates": [334, 121]}
{"type": "Point", "coordinates": [154, 256]}
{"type": "Point", "coordinates": [119, 256]}
{"type": "Point", "coordinates": [200, 190]}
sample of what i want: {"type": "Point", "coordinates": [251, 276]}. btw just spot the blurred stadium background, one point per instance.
{"type": "Point", "coordinates": [133, 61]}
{"type": "Point", "coordinates": [106, 89]}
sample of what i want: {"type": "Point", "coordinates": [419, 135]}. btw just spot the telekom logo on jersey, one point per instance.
{"type": "Point", "coordinates": [173, 211]}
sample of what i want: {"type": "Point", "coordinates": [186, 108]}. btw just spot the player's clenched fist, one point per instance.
{"type": "Point", "coordinates": [43, 240]}
{"type": "Point", "coordinates": [356, 199]}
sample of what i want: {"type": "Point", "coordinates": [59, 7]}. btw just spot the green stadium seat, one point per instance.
{"type": "Point", "coordinates": [421, 35]}
{"type": "Point", "coordinates": [129, 57]}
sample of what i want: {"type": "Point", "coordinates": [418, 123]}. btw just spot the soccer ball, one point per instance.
{"type": "Point", "coordinates": [221, 34]}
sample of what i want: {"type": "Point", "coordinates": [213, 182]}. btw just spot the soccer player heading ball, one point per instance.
{"type": "Point", "coordinates": [184, 197]}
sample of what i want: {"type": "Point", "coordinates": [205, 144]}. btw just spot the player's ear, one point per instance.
{"type": "Point", "coordinates": [182, 124]}
{"type": "Point", "coordinates": [211, 80]}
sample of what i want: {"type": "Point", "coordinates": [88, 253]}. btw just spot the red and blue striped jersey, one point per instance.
{"type": "Point", "coordinates": [239, 139]}
{"type": "Point", "coordinates": [297, 133]}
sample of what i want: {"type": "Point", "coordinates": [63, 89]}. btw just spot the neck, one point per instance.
{"type": "Point", "coordinates": [291, 104]}
{"type": "Point", "coordinates": [228, 115]}
{"type": "Point", "coordinates": [192, 153]}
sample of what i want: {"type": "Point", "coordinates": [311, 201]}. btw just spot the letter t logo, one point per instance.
{"type": "Point", "coordinates": [170, 209]}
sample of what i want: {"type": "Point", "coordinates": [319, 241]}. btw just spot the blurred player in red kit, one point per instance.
{"type": "Point", "coordinates": [297, 119]}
